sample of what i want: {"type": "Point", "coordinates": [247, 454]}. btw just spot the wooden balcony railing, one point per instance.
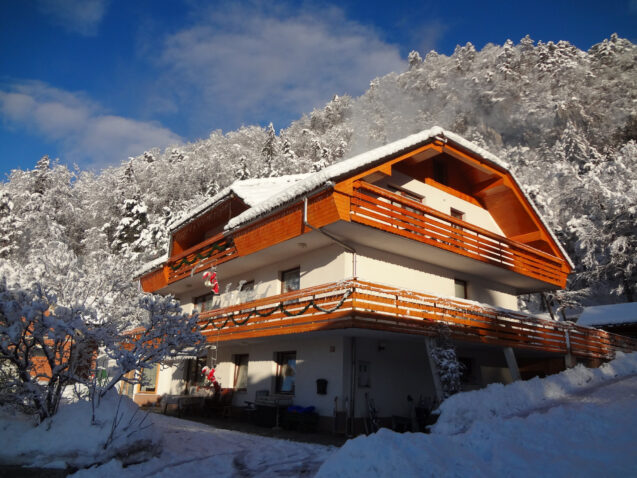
{"type": "Point", "coordinates": [381, 209]}
{"type": "Point", "coordinates": [358, 304]}
{"type": "Point", "coordinates": [216, 250]}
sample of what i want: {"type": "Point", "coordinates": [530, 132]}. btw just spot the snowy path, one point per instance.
{"type": "Point", "coordinates": [196, 450]}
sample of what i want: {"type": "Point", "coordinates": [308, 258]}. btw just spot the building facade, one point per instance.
{"type": "Point", "coordinates": [336, 285]}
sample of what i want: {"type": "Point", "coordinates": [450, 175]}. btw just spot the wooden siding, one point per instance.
{"type": "Point", "coordinates": [154, 280]}
{"type": "Point", "coordinates": [372, 306]}
{"type": "Point", "coordinates": [286, 224]}
{"type": "Point", "coordinates": [381, 209]}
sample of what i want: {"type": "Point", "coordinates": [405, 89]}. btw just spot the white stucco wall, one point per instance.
{"type": "Point", "coordinates": [317, 267]}
{"type": "Point", "coordinates": [318, 357]}
{"type": "Point", "coordinates": [392, 269]}
{"type": "Point", "coordinates": [397, 369]}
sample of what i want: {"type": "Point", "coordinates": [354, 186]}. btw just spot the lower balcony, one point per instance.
{"type": "Point", "coordinates": [365, 305]}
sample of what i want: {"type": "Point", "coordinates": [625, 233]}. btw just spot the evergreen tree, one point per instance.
{"type": "Point", "coordinates": [268, 153]}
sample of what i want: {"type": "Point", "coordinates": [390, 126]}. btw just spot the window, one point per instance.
{"type": "Point", "coordinates": [241, 371]}
{"type": "Point", "coordinates": [290, 280]}
{"type": "Point", "coordinates": [204, 302]}
{"type": "Point", "coordinates": [364, 374]}
{"type": "Point", "coordinates": [126, 387]}
{"type": "Point", "coordinates": [457, 214]}
{"type": "Point", "coordinates": [406, 194]}
{"type": "Point", "coordinates": [194, 377]}
{"type": "Point", "coordinates": [149, 379]}
{"type": "Point", "coordinates": [460, 288]}
{"type": "Point", "coordinates": [285, 372]}
{"type": "Point", "coordinates": [247, 286]}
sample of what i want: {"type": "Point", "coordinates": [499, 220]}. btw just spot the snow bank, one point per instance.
{"type": "Point", "coordinates": [583, 440]}
{"type": "Point", "coordinates": [69, 440]}
{"type": "Point", "coordinates": [580, 423]}
{"type": "Point", "coordinates": [460, 411]}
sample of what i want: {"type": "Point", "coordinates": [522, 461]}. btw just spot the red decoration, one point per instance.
{"type": "Point", "coordinates": [210, 280]}
{"type": "Point", "coordinates": [209, 372]}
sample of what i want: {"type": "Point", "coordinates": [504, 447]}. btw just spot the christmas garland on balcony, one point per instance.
{"type": "Point", "coordinates": [280, 306]}
{"type": "Point", "coordinates": [200, 257]}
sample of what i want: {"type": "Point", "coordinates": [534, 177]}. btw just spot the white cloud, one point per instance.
{"type": "Point", "coordinates": [243, 62]}
{"type": "Point", "coordinates": [78, 16]}
{"type": "Point", "coordinates": [84, 133]}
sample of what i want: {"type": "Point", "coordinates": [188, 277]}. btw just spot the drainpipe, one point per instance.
{"type": "Point", "coordinates": [331, 237]}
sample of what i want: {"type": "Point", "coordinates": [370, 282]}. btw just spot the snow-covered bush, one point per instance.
{"type": "Point", "coordinates": [449, 368]}
{"type": "Point", "coordinates": [80, 435]}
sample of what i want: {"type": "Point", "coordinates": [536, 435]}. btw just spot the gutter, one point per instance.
{"type": "Point", "coordinates": [345, 246]}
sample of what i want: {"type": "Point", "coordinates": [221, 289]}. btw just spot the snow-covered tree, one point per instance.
{"type": "Point", "coordinates": [10, 226]}
{"type": "Point", "coordinates": [242, 172]}
{"type": "Point", "coordinates": [449, 368]}
{"type": "Point", "coordinates": [269, 152]}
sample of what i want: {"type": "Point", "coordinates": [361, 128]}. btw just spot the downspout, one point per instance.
{"type": "Point", "coordinates": [352, 384]}
{"type": "Point", "coordinates": [331, 237]}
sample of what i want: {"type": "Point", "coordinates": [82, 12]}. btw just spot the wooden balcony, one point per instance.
{"type": "Point", "coordinates": [381, 209]}
{"type": "Point", "coordinates": [364, 305]}
{"type": "Point", "coordinates": [213, 251]}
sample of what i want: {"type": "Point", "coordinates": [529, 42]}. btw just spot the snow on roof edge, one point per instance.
{"type": "Point", "coordinates": [333, 171]}
{"type": "Point", "coordinates": [152, 265]}
{"type": "Point", "coordinates": [237, 189]}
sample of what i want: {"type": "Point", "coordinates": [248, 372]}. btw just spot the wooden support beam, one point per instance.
{"type": "Point", "coordinates": [528, 237]}
{"type": "Point", "coordinates": [484, 186]}
{"type": "Point", "coordinates": [512, 363]}
{"type": "Point", "coordinates": [430, 344]}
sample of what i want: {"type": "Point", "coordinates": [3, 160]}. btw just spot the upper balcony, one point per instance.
{"type": "Point", "coordinates": [396, 214]}
{"type": "Point", "coordinates": [432, 236]}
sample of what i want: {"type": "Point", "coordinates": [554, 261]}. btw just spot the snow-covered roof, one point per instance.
{"type": "Point", "coordinates": [152, 265]}
{"type": "Point", "coordinates": [613, 314]}
{"type": "Point", "coordinates": [337, 170]}
{"type": "Point", "coordinates": [251, 191]}
{"type": "Point", "coordinates": [263, 195]}
{"type": "Point", "coordinates": [368, 159]}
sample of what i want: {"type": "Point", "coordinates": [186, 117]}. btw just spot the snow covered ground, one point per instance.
{"type": "Point", "coordinates": [581, 422]}
{"type": "Point", "coordinates": [196, 450]}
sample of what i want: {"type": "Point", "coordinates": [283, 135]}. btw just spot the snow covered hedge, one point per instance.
{"type": "Point", "coordinates": [69, 439]}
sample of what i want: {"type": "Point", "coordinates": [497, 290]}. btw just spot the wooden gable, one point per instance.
{"type": "Point", "coordinates": [208, 225]}
{"type": "Point", "coordinates": [464, 174]}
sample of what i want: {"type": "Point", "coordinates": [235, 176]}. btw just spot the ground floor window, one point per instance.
{"type": "Point", "coordinates": [128, 388]}
{"type": "Point", "coordinates": [286, 372]}
{"type": "Point", "coordinates": [194, 376]}
{"type": "Point", "coordinates": [149, 379]}
{"type": "Point", "coordinates": [241, 371]}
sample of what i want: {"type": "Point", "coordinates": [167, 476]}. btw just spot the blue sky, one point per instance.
{"type": "Point", "coordinates": [94, 81]}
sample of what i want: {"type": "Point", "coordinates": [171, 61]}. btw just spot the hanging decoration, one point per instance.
{"type": "Point", "coordinates": [280, 306]}
{"type": "Point", "coordinates": [210, 280]}
{"type": "Point", "coordinates": [209, 373]}
{"type": "Point", "coordinates": [218, 246]}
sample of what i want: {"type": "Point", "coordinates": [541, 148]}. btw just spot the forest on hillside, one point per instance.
{"type": "Point", "coordinates": [564, 119]}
